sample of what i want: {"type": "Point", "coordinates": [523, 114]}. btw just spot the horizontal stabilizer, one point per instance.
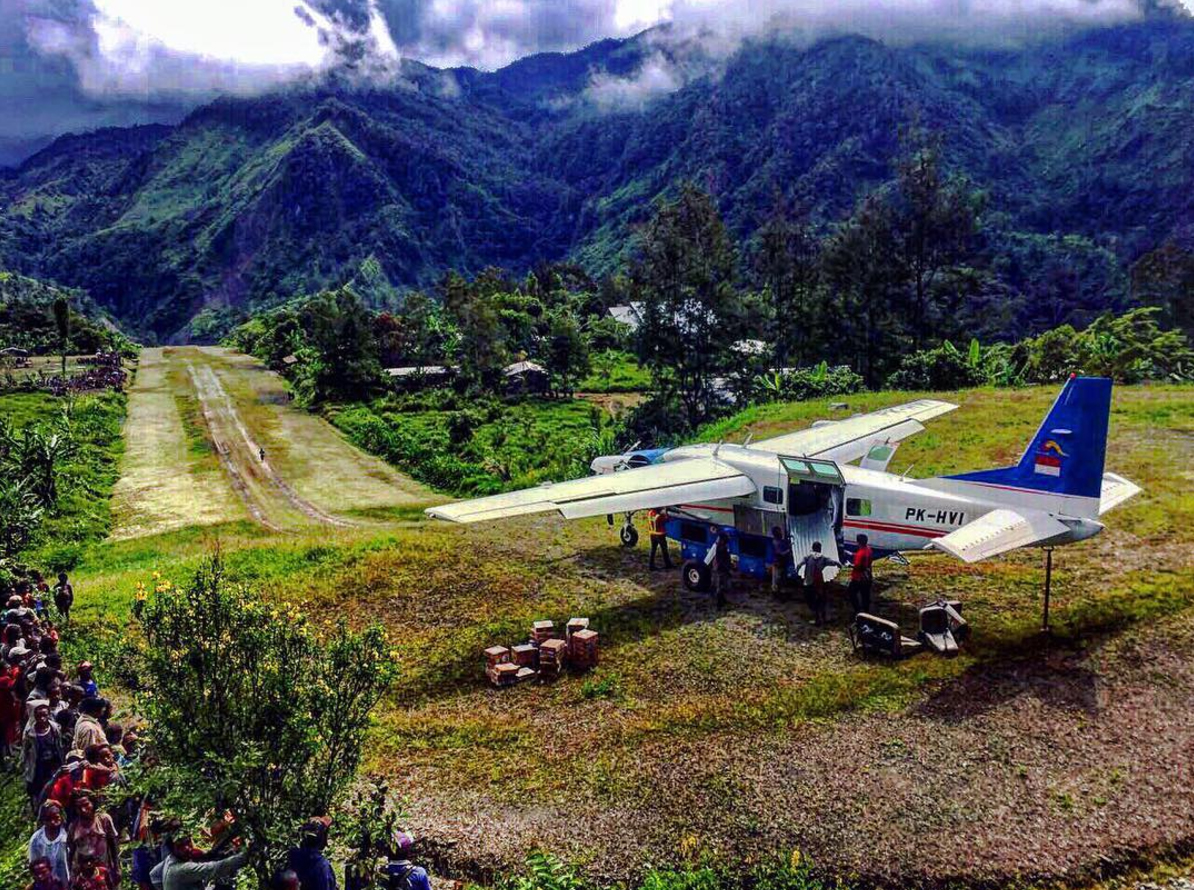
{"type": "Point", "coordinates": [665, 484]}
{"type": "Point", "coordinates": [1116, 490]}
{"type": "Point", "coordinates": [998, 532]}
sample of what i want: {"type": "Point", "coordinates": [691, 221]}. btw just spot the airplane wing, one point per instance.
{"type": "Point", "coordinates": [850, 439]}
{"type": "Point", "coordinates": [659, 485]}
{"type": "Point", "coordinates": [1116, 490]}
{"type": "Point", "coordinates": [998, 532]}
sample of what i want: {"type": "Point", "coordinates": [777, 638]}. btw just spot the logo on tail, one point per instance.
{"type": "Point", "coordinates": [1048, 459]}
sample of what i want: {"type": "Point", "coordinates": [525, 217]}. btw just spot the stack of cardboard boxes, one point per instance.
{"type": "Point", "coordinates": [498, 667]}
{"type": "Point", "coordinates": [552, 655]}
{"type": "Point", "coordinates": [544, 656]}
{"type": "Point", "coordinates": [582, 649]}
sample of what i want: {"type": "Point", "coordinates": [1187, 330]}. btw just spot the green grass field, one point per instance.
{"type": "Point", "coordinates": [615, 371]}
{"type": "Point", "coordinates": [746, 733]}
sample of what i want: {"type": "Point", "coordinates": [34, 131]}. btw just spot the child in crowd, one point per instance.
{"type": "Point", "coordinates": [44, 877]}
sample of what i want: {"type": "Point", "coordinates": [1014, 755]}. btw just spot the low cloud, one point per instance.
{"type": "Point", "coordinates": [146, 48]}
{"type": "Point", "coordinates": [903, 21]}
{"type": "Point", "coordinates": [700, 34]}
{"type": "Point", "coordinates": [86, 57]}
{"type": "Point", "coordinates": [656, 77]}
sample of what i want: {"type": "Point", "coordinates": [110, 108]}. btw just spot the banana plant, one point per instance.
{"type": "Point", "coordinates": [974, 356]}
{"type": "Point", "coordinates": [20, 515]}
{"type": "Point", "coordinates": [771, 385]}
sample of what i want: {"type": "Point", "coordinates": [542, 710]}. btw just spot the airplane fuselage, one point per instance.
{"type": "Point", "coordinates": [896, 514]}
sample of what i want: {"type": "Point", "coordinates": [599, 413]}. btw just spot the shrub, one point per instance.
{"type": "Point", "coordinates": [944, 367]}
{"type": "Point", "coordinates": [608, 686]}
{"type": "Point", "coordinates": [252, 711]}
{"type": "Point", "coordinates": [658, 421]}
{"type": "Point", "coordinates": [546, 872]}
{"type": "Point", "coordinates": [802, 384]}
{"type": "Point", "coordinates": [793, 872]}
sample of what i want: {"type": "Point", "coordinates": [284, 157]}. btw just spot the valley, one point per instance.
{"type": "Point", "coordinates": [725, 736]}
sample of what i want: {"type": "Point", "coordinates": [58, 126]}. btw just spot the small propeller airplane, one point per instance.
{"type": "Point", "coordinates": [807, 484]}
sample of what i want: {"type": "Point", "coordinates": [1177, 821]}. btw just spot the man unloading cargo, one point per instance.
{"type": "Point", "coordinates": [657, 528]}
{"type": "Point", "coordinates": [814, 582]}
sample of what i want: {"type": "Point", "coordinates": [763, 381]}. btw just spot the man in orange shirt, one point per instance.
{"type": "Point", "coordinates": [657, 527]}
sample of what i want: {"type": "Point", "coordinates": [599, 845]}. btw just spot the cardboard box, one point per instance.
{"type": "Point", "coordinates": [582, 649]}
{"type": "Point", "coordinates": [496, 655]}
{"type": "Point", "coordinates": [575, 624]}
{"type": "Point", "coordinates": [504, 674]}
{"type": "Point", "coordinates": [525, 655]}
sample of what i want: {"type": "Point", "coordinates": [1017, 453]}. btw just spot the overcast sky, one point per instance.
{"type": "Point", "coordinates": [72, 64]}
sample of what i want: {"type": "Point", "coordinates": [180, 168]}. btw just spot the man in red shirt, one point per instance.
{"type": "Point", "coordinates": [861, 577]}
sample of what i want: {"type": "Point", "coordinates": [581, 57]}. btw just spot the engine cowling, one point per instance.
{"type": "Point", "coordinates": [613, 463]}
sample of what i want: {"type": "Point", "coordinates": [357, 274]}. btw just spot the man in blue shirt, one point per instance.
{"type": "Point", "coordinates": [308, 860]}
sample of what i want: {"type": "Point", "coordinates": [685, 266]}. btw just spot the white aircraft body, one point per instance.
{"type": "Point", "coordinates": [807, 484]}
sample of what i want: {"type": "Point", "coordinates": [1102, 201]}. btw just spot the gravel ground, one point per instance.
{"type": "Point", "coordinates": [1058, 765]}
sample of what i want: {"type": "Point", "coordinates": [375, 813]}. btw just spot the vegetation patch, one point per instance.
{"type": "Point", "coordinates": [73, 446]}
{"type": "Point", "coordinates": [476, 447]}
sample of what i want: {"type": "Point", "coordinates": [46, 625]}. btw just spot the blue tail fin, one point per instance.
{"type": "Point", "coordinates": [1066, 455]}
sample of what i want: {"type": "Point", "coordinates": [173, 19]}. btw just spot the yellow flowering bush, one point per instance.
{"type": "Point", "coordinates": [251, 710]}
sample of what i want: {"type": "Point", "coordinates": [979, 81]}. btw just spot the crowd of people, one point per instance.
{"type": "Point", "coordinates": [93, 830]}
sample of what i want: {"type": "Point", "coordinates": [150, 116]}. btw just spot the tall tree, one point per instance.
{"type": "Point", "coordinates": [787, 265]}
{"type": "Point", "coordinates": [934, 219]}
{"type": "Point", "coordinates": [62, 320]}
{"type": "Point", "coordinates": [684, 276]}
{"type": "Point", "coordinates": [481, 342]}
{"type": "Point", "coordinates": [340, 332]}
{"type": "Point", "coordinates": [427, 332]}
{"type": "Point", "coordinates": [862, 269]}
{"type": "Point", "coordinates": [567, 350]}
{"type": "Point", "coordinates": [1165, 277]}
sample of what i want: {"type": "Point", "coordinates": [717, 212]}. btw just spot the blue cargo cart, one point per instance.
{"type": "Point", "coordinates": [696, 538]}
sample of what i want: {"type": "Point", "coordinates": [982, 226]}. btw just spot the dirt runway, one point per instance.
{"type": "Point", "coordinates": [213, 438]}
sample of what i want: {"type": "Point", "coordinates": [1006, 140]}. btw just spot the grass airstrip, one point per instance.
{"type": "Point", "coordinates": [733, 733]}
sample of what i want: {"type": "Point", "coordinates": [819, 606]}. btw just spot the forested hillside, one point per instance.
{"type": "Point", "coordinates": [1080, 153]}
{"type": "Point", "coordinates": [28, 319]}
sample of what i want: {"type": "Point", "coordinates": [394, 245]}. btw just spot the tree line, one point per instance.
{"type": "Point", "coordinates": [884, 293]}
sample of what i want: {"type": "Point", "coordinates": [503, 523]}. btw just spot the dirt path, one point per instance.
{"type": "Point", "coordinates": [213, 438]}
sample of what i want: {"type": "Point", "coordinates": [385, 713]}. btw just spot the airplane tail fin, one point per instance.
{"type": "Point", "coordinates": [1066, 456]}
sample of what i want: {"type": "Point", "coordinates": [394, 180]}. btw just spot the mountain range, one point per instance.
{"type": "Point", "coordinates": [249, 201]}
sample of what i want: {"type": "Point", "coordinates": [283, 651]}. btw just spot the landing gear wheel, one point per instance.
{"type": "Point", "coordinates": [697, 576]}
{"type": "Point", "coordinates": [629, 535]}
